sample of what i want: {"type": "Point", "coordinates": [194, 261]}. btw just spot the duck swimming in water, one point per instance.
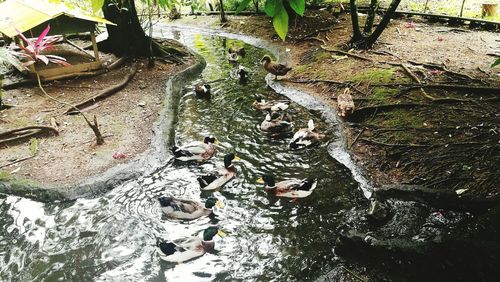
{"type": "Point", "coordinates": [182, 250]}
{"type": "Point", "coordinates": [185, 209]}
{"type": "Point", "coordinates": [305, 137]}
{"type": "Point", "coordinates": [233, 57]}
{"type": "Point", "coordinates": [237, 50]}
{"type": "Point", "coordinates": [196, 150]}
{"type": "Point", "coordinates": [276, 123]}
{"type": "Point", "coordinates": [202, 91]}
{"type": "Point", "coordinates": [214, 181]}
{"type": "Point", "coordinates": [292, 188]}
{"type": "Point", "coordinates": [242, 74]}
{"type": "Point", "coordinates": [262, 104]}
{"type": "Point", "coordinates": [274, 68]}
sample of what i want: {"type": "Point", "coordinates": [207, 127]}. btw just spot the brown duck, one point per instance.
{"type": "Point", "coordinates": [274, 68]}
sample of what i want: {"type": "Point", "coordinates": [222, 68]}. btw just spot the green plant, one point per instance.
{"type": "Point", "coordinates": [496, 63]}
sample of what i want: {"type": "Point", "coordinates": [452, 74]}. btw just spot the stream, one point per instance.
{"type": "Point", "coordinates": [112, 237]}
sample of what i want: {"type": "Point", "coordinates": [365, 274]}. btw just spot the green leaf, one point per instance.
{"type": "Point", "coordinates": [496, 63]}
{"type": "Point", "coordinates": [280, 21]}
{"type": "Point", "coordinates": [243, 4]}
{"type": "Point", "coordinates": [299, 6]}
{"type": "Point", "coordinates": [97, 5]}
{"type": "Point", "coordinates": [271, 6]}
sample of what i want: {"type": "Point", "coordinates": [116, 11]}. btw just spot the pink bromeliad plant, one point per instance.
{"type": "Point", "coordinates": [34, 49]}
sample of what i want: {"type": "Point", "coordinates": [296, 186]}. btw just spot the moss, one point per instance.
{"type": "Point", "coordinates": [302, 69]}
{"type": "Point", "coordinates": [400, 118]}
{"type": "Point", "coordinates": [383, 93]}
{"type": "Point", "coordinates": [4, 175]}
{"type": "Point", "coordinates": [376, 76]}
{"type": "Point", "coordinates": [322, 56]}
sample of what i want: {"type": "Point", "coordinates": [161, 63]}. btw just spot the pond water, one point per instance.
{"type": "Point", "coordinates": [113, 237]}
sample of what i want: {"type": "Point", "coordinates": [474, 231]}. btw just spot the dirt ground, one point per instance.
{"type": "Point", "coordinates": [125, 121]}
{"type": "Point", "coordinates": [439, 138]}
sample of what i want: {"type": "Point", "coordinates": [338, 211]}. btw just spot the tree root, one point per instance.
{"type": "Point", "coordinates": [16, 161]}
{"type": "Point", "coordinates": [346, 53]}
{"type": "Point", "coordinates": [364, 111]}
{"type": "Point", "coordinates": [76, 109]}
{"type": "Point", "coordinates": [24, 133]}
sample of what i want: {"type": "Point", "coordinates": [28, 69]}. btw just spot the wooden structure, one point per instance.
{"type": "Point", "coordinates": [31, 17]}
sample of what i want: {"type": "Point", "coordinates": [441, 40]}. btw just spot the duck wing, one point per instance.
{"type": "Point", "coordinates": [194, 148]}
{"type": "Point", "coordinates": [181, 250]}
{"type": "Point", "coordinates": [220, 181]}
{"type": "Point", "coordinates": [280, 69]}
{"type": "Point", "coordinates": [295, 188]}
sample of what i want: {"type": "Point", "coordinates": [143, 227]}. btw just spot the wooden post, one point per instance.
{"type": "Point", "coordinates": [94, 47]}
{"type": "Point", "coordinates": [462, 8]}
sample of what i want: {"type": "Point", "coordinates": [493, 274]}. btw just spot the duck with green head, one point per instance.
{"type": "Point", "coordinates": [178, 208]}
{"type": "Point", "coordinates": [182, 250]}
{"type": "Point", "coordinates": [213, 181]}
{"type": "Point", "coordinates": [291, 188]}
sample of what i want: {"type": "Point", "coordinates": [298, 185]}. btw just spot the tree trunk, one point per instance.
{"type": "Point", "coordinates": [362, 41]}
{"type": "Point", "coordinates": [128, 37]}
{"type": "Point", "coordinates": [356, 31]}
{"type": "Point", "coordinates": [371, 16]}
{"type": "Point", "coordinates": [256, 5]}
{"type": "Point", "coordinates": [222, 13]}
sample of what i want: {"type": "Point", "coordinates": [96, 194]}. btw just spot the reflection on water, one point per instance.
{"type": "Point", "coordinates": [113, 236]}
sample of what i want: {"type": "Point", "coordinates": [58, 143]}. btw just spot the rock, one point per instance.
{"type": "Point", "coordinates": [378, 211]}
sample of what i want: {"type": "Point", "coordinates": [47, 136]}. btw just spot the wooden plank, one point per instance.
{"type": "Point", "coordinates": [45, 74]}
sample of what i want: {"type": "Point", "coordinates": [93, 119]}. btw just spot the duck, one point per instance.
{"type": "Point", "coordinates": [276, 123]}
{"type": "Point", "coordinates": [305, 137]}
{"type": "Point", "coordinates": [261, 104]}
{"type": "Point", "coordinates": [182, 250]}
{"type": "Point", "coordinates": [291, 188]}
{"type": "Point", "coordinates": [202, 90]}
{"type": "Point", "coordinates": [242, 74]}
{"type": "Point", "coordinates": [196, 150]}
{"type": "Point", "coordinates": [237, 50]}
{"type": "Point", "coordinates": [274, 68]}
{"type": "Point", "coordinates": [178, 208]}
{"type": "Point", "coordinates": [213, 181]}
{"type": "Point", "coordinates": [233, 57]}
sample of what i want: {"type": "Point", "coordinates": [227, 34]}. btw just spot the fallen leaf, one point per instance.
{"type": "Point", "coordinates": [118, 155]}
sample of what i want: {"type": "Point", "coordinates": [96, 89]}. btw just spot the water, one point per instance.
{"type": "Point", "coordinates": [112, 237]}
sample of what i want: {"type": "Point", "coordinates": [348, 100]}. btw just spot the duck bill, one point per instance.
{"type": "Point", "coordinates": [219, 204]}
{"type": "Point", "coordinates": [216, 142]}
{"type": "Point", "coordinates": [236, 158]}
{"type": "Point", "coordinates": [260, 180]}
{"type": "Point", "coordinates": [221, 234]}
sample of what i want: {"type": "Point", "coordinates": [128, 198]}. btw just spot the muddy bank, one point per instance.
{"type": "Point", "coordinates": [137, 124]}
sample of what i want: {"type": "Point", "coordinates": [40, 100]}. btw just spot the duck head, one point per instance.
{"type": "Point", "coordinates": [210, 233]}
{"type": "Point", "coordinates": [213, 202]}
{"type": "Point", "coordinates": [165, 201]}
{"type": "Point", "coordinates": [266, 59]}
{"type": "Point", "coordinates": [229, 158]}
{"type": "Point", "coordinates": [210, 139]}
{"type": "Point", "coordinates": [267, 179]}
{"type": "Point", "coordinates": [275, 115]}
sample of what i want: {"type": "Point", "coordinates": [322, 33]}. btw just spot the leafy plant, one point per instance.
{"type": "Point", "coordinates": [496, 63]}
{"type": "Point", "coordinates": [34, 49]}
{"type": "Point", "coordinates": [276, 10]}
{"type": "Point", "coordinates": [8, 58]}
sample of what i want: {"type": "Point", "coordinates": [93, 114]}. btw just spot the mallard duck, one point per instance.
{"type": "Point", "coordinates": [182, 250]}
{"type": "Point", "coordinates": [202, 90]}
{"type": "Point", "coordinates": [232, 57]}
{"type": "Point", "coordinates": [292, 188]}
{"type": "Point", "coordinates": [196, 150]}
{"type": "Point", "coordinates": [274, 68]}
{"type": "Point", "coordinates": [276, 123]}
{"type": "Point", "coordinates": [237, 50]}
{"type": "Point", "coordinates": [212, 181]}
{"type": "Point", "coordinates": [185, 209]}
{"type": "Point", "coordinates": [261, 104]}
{"type": "Point", "coordinates": [242, 74]}
{"type": "Point", "coordinates": [305, 137]}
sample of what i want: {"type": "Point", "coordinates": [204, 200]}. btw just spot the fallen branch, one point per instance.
{"type": "Point", "coordinates": [317, 81]}
{"type": "Point", "coordinates": [313, 33]}
{"type": "Point", "coordinates": [103, 94]}
{"type": "Point", "coordinates": [24, 133]}
{"type": "Point", "coordinates": [395, 144]}
{"type": "Point", "coordinates": [16, 161]}
{"type": "Point", "coordinates": [386, 107]}
{"type": "Point", "coordinates": [443, 68]}
{"type": "Point", "coordinates": [346, 53]}
{"type": "Point", "coordinates": [356, 139]}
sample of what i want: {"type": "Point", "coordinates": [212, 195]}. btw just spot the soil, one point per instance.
{"type": "Point", "coordinates": [125, 120]}
{"type": "Point", "coordinates": [447, 139]}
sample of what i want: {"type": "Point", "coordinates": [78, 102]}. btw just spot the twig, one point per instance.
{"type": "Point", "coordinates": [18, 133]}
{"type": "Point", "coordinates": [354, 274]}
{"type": "Point", "coordinates": [346, 53]}
{"type": "Point", "coordinates": [394, 145]}
{"type": "Point", "coordinates": [356, 139]}
{"type": "Point", "coordinates": [16, 161]}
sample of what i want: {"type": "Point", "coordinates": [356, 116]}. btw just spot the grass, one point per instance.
{"type": "Point", "coordinates": [376, 76]}
{"type": "Point", "coordinates": [383, 93]}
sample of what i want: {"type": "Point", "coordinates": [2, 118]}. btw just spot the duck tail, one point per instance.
{"type": "Point", "coordinates": [309, 184]}
{"type": "Point", "coordinates": [178, 153]}
{"type": "Point", "coordinates": [205, 180]}
{"type": "Point", "coordinates": [167, 248]}
{"type": "Point", "coordinates": [165, 201]}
